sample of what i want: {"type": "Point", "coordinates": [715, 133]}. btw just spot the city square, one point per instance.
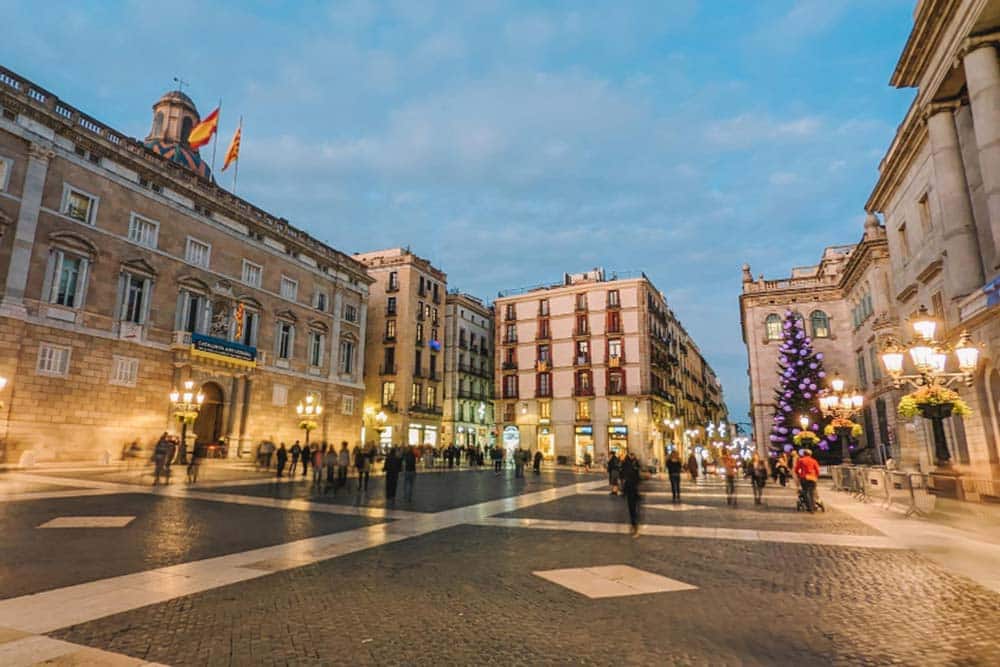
{"type": "Point", "coordinates": [432, 333]}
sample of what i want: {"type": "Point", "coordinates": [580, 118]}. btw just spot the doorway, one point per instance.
{"type": "Point", "coordinates": [208, 425]}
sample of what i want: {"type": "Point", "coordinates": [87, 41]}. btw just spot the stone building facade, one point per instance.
{"type": "Point", "coordinates": [128, 271]}
{"type": "Point", "coordinates": [598, 364]}
{"type": "Point", "coordinates": [468, 372]}
{"type": "Point", "coordinates": [405, 349]}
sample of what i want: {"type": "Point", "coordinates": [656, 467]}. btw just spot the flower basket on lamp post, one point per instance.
{"type": "Point", "coordinates": [308, 412]}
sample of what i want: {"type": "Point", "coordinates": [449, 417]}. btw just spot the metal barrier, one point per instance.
{"type": "Point", "coordinates": [908, 490]}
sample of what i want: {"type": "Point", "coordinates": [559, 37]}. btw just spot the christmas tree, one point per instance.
{"type": "Point", "coordinates": [801, 377]}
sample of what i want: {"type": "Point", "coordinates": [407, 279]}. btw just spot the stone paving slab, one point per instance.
{"type": "Point", "coordinates": [433, 492]}
{"type": "Point", "coordinates": [166, 531]}
{"type": "Point", "coordinates": [467, 596]}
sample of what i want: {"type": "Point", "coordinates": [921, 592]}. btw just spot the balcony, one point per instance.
{"type": "Point", "coordinates": [390, 312]}
{"type": "Point", "coordinates": [462, 343]}
{"type": "Point", "coordinates": [614, 328]}
{"type": "Point", "coordinates": [387, 369]}
{"type": "Point", "coordinates": [509, 340]}
{"type": "Point", "coordinates": [543, 334]}
{"type": "Point", "coordinates": [542, 365]}
{"type": "Point", "coordinates": [420, 316]}
{"type": "Point", "coordinates": [392, 287]}
{"type": "Point", "coordinates": [580, 333]}
{"type": "Point", "coordinates": [419, 341]}
{"type": "Point", "coordinates": [544, 392]}
{"type": "Point", "coordinates": [581, 307]}
{"type": "Point", "coordinates": [613, 390]}
{"type": "Point", "coordinates": [614, 361]}
{"type": "Point", "coordinates": [582, 359]}
{"type": "Point", "coordinates": [583, 391]}
{"type": "Point", "coordinates": [509, 366]}
{"type": "Point", "coordinates": [614, 304]}
{"type": "Point", "coordinates": [425, 409]}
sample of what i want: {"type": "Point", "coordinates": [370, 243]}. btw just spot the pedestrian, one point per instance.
{"type": "Point", "coordinates": [268, 453]}
{"type": "Point", "coordinates": [793, 461]}
{"type": "Point", "coordinates": [692, 466]}
{"type": "Point", "coordinates": [781, 468]}
{"type": "Point", "coordinates": [518, 464]}
{"type": "Point", "coordinates": [282, 457]}
{"type": "Point", "coordinates": [629, 476]}
{"type": "Point", "coordinates": [428, 458]}
{"type": "Point", "coordinates": [730, 466]}
{"type": "Point", "coordinates": [807, 472]}
{"type": "Point", "coordinates": [614, 469]}
{"type": "Point", "coordinates": [330, 463]}
{"type": "Point", "coordinates": [361, 466]}
{"type": "Point", "coordinates": [160, 453]}
{"type": "Point", "coordinates": [537, 467]}
{"type": "Point", "coordinates": [674, 467]}
{"type": "Point", "coordinates": [409, 462]}
{"type": "Point", "coordinates": [497, 459]}
{"type": "Point", "coordinates": [393, 464]}
{"type": "Point", "coordinates": [343, 463]}
{"type": "Point", "coordinates": [587, 460]}
{"type": "Point", "coordinates": [295, 451]}
{"type": "Point", "coordinates": [318, 454]}
{"type": "Point", "coordinates": [306, 459]}
{"type": "Point", "coordinates": [758, 477]}
{"type": "Point", "coordinates": [194, 465]}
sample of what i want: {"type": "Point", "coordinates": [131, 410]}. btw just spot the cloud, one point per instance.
{"type": "Point", "coordinates": [747, 129]}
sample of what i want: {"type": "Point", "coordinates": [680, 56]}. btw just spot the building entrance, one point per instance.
{"type": "Point", "coordinates": [208, 425]}
{"type": "Point", "coordinates": [545, 443]}
{"type": "Point", "coordinates": [584, 439]}
{"type": "Point", "coordinates": [618, 440]}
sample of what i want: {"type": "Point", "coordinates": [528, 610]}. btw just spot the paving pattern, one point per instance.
{"type": "Point", "coordinates": [456, 579]}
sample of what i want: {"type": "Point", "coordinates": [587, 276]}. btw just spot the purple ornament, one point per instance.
{"type": "Point", "coordinates": [813, 366]}
{"type": "Point", "coordinates": [819, 356]}
{"type": "Point", "coordinates": [788, 448]}
{"type": "Point", "coordinates": [812, 387]}
{"type": "Point", "coordinates": [822, 374]}
{"type": "Point", "coordinates": [807, 395]}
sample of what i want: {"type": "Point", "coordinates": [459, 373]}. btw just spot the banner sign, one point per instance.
{"type": "Point", "coordinates": [224, 350]}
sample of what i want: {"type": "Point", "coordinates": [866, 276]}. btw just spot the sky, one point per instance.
{"type": "Point", "coordinates": [510, 142]}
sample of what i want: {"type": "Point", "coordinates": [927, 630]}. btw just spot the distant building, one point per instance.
{"type": "Point", "coordinates": [598, 364]}
{"type": "Point", "coordinates": [468, 372]}
{"type": "Point", "coordinates": [127, 271]}
{"type": "Point", "coordinates": [404, 378]}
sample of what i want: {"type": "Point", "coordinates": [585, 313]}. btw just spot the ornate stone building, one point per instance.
{"type": "Point", "coordinates": [597, 364]}
{"type": "Point", "coordinates": [468, 372]}
{"type": "Point", "coordinates": [128, 271]}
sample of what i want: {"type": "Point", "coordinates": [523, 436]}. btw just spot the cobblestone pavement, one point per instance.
{"type": "Point", "coordinates": [439, 593]}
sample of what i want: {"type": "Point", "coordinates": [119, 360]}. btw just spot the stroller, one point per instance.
{"type": "Point", "coordinates": [801, 505]}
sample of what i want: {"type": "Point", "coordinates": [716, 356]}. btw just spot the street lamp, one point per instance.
{"type": "Point", "coordinates": [308, 412]}
{"type": "Point", "coordinates": [841, 405]}
{"type": "Point", "coordinates": [933, 399]}
{"type": "Point", "coordinates": [185, 405]}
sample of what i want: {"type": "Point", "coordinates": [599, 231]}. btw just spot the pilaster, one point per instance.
{"type": "Point", "coordinates": [24, 232]}
{"type": "Point", "coordinates": [982, 74]}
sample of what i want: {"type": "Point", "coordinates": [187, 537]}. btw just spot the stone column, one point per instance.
{"type": "Point", "coordinates": [964, 272]}
{"type": "Point", "coordinates": [244, 414]}
{"type": "Point", "coordinates": [24, 232]}
{"type": "Point", "coordinates": [235, 407]}
{"type": "Point", "coordinates": [338, 309]}
{"type": "Point", "coordinates": [982, 75]}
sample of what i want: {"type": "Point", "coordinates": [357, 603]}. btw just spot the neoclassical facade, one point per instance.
{"type": "Point", "coordinates": [127, 271]}
{"type": "Point", "coordinates": [468, 372]}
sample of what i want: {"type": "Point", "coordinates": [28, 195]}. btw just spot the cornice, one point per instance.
{"type": "Point", "coordinates": [930, 21]}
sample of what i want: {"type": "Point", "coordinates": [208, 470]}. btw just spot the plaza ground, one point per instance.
{"type": "Point", "coordinates": [100, 567]}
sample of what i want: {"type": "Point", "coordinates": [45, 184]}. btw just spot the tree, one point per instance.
{"type": "Point", "coordinates": [800, 378]}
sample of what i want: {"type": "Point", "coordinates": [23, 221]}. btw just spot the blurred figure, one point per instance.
{"type": "Point", "coordinates": [282, 459]}
{"type": "Point", "coordinates": [295, 451]}
{"type": "Point", "coordinates": [630, 487]}
{"type": "Point", "coordinates": [674, 467]}
{"type": "Point", "coordinates": [758, 477]}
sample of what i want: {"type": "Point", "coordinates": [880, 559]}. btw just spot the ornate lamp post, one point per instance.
{"type": "Point", "coordinates": [932, 399]}
{"type": "Point", "coordinates": [308, 413]}
{"type": "Point", "coordinates": [841, 405]}
{"type": "Point", "coordinates": [185, 405]}
{"type": "Point", "coordinates": [672, 425]}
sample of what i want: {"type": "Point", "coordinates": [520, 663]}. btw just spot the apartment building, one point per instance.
{"type": "Point", "coordinates": [468, 372]}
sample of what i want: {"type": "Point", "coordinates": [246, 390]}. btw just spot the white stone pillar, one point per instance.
{"type": "Point", "coordinates": [24, 232]}
{"type": "Point", "coordinates": [982, 75]}
{"type": "Point", "coordinates": [964, 272]}
{"type": "Point", "coordinates": [338, 310]}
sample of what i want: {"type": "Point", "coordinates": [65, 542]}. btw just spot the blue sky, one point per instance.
{"type": "Point", "coordinates": [512, 141]}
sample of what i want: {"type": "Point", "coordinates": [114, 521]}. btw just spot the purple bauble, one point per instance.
{"type": "Point", "coordinates": [822, 374]}
{"type": "Point", "coordinates": [812, 387]}
{"type": "Point", "coordinates": [788, 448]}
{"type": "Point", "coordinates": [813, 366]}
{"type": "Point", "coordinates": [807, 395]}
{"type": "Point", "coordinates": [824, 446]}
{"type": "Point", "coordinates": [819, 356]}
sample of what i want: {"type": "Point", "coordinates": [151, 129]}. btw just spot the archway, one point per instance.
{"type": "Point", "coordinates": [208, 425]}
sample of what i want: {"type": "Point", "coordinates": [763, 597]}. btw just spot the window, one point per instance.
{"type": "Point", "coordinates": [315, 349]}
{"type": "Point", "coordinates": [544, 354]}
{"type": "Point", "coordinates": [418, 363]}
{"type": "Point", "coordinates": [543, 329]}
{"type": "Point", "coordinates": [772, 327]}
{"type": "Point", "coordinates": [616, 382]}
{"type": "Point", "coordinates": [346, 356]}
{"type": "Point", "coordinates": [393, 281]}
{"type": "Point", "coordinates": [416, 389]}
{"type": "Point", "coordinates": [510, 357]}
{"type": "Point", "coordinates": [433, 365]}
{"type": "Point", "coordinates": [134, 298]}
{"type": "Point", "coordinates": [583, 410]}
{"type": "Point", "coordinates": [511, 335]}
{"type": "Point", "coordinates": [124, 371]}
{"type": "Point", "coordinates": [251, 274]}
{"type": "Point", "coordinates": [875, 365]}
{"type": "Point", "coordinates": [389, 360]}
{"type": "Point", "coordinates": [186, 126]}
{"type": "Point", "coordinates": [67, 276]}
{"type": "Point", "coordinates": [283, 340]}
{"type": "Point", "coordinates": [143, 230]}
{"type": "Point", "coordinates": [347, 405]}
{"type": "Point", "coordinates": [510, 386]}
{"type": "Point", "coordinates": [862, 371]}
{"type": "Point", "coordinates": [581, 302]}
{"type": "Point", "coordinates": [614, 348]}
{"type": "Point", "coordinates": [279, 395]}
{"type": "Point", "coordinates": [544, 384]}
{"type": "Point", "coordinates": [613, 299]}
{"type": "Point", "coordinates": [388, 392]}
{"type": "Point", "coordinates": [583, 383]}
{"type": "Point", "coordinates": [247, 334]}
{"type": "Point", "coordinates": [924, 206]}
{"type": "Point", "coordinates": [390, 329]}
{"type": "Point", "coordinates": [420, 286]}
{"type": "Point", "coordinates": [351, 312]}
{"type": "Point", "coordinates": [437, 294]}
{"type": "Point", "coordinates": [581, 325]}
{"type": "Point", "coordinates": [79, 205]}
{"type": "Point", "coordinates": [904, 242]}
{"type": "Point", "coordinates": [614, 321]}
{"type": "Point", "coordinates": [6, 166]}
{"type": "Point", "coordinates": [420, 333]}
{"type": "Point", "coordinates": [319, 300]}
{"type": "Point", "coordinates": [289, 288]}
{"type": "Point", "coordinates": [190, 309]}
{"type": "Point", "coordinates": [430, 396]}
{"type": "Point", "coordinates": [508, 412]}
{"type": "Point", "coordinates": [582, 352]}
{"type": "Point", "coordinates": [510, 313]}
{"type": "Point", "coordinates": [197, 252]}
{"type": "Point", "coordinates": [543, 307]}
{"type": "Point", "coordinates": [544, 409]}
{"type": "Point", "coordinates": [616, 408]}
{"type": "Point", "coordinates": [53, 360]}
{"type": "Point", "coordinates": [390, 306]}
{"type": "Point", "coordinates": [820, 324]}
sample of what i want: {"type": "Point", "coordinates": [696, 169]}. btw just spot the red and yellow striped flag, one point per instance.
{"type": "Point", "coordinates": [233, 152]}
{"type": "Point", "coordinates": [203, 131]}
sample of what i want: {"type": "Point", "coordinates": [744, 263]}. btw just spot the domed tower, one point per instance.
{"type": "Point", "coordinates": [174, 116]}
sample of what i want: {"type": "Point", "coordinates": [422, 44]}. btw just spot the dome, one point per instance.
{"type": "Point", "coordinates": [181, 154]}
{"type": "Point", "coordinates": [177, 97]}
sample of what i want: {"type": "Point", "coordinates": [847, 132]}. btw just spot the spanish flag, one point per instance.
{"type": "Point", "coordinates": [203, 131]}
{"type": "Point", "coordinates": [233, 152]}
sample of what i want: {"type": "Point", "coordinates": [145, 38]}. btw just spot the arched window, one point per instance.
{"type": "Point", "coordinates": [772, 327]}
{"type": "Point", "coordinates": [157, 124]}
{"type": "Point", "coordinates": [820, 324]}
{"type": "Point", "coordinates": [186, 126]}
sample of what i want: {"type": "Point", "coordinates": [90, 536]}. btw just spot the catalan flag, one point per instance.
{"type": "Point", "coordinates": [203, 131]}
{"type": "Point", "coordinates": [233, 152]}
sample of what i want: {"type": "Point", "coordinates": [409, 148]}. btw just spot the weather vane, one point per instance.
{"type": "Point", "coordinates": [181, 83]}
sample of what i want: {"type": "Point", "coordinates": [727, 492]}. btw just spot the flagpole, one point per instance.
{"type": "Point", "coordinates": [215, 143]}
{"type": "Point", "coordinates": [236, 167]}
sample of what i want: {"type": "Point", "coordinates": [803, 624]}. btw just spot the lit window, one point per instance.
{"type": "Point", "coordinates": [616, 408]}
{"type": "Point", "coordinates": [53, 360]}
{"type": "Point", "coordinates": [583, 409]}
{"type": "Point", "coordinates": [251, 274]}
{"type": "Point", "coordinates": [124, 371]}
{"type": "Point", "coordinates": [197, 252]}
{"type": "Point", "coordinates": [79, 205]}
{"type": "Point", "coordinates": [388, 392]}
{"type": "Point", "coordinates": [772, 327]}
{"type": "Point", "coordinates": [820, 324]}
{"type": "Point", "coordinates": [284, 340]}
{"type": "Point", "coordinates": [143, 230]}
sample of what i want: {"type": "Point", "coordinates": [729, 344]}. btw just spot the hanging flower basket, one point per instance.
{"type": "Point", "coordinates": [834, 426]}
{"type": "Point", "coordinates": [933, 402]}
{"type": "Point", "coordinates": [308, 424]}
{"type": "Point", "coordinates": [805, 439]}
{"type": "Point", "coordinates": [187, 417]}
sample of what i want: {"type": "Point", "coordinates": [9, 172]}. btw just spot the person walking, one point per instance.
{"type": "Point", "coordinates": [758, 477]}
{"type": "Point", "coordinates": [692, 466]}
{"type": "Point", "coordinates": [330, 463]}
{"type": "Point", "coordinates": [781, 468]}
{"type": "Point", "coordinates": [730, 467]}
{"type": "Point", "coordinates": [674, 467]}
{"type": "Point", "coordinates": [194, 465]}
{"type": "Point", "coordinates": [807, 472]}
{"type": "Point", "coordinates": [393, 464]}
{"type": "Point", "coordinates": [295, 451]}
{"type": "Point", "coordinates": [629, 476]}
{"type": "Point", "coordinates": [306, 459]}
{"type": "Point", "coordinates": [587, 460]}
{"type": "Point", "coordinates": [537, 466]}
{"type": "Point", "coordinates": [409, 464]}
{"type": "Point", "coordinates": [282, 457]}
{"type": "Point", "coordinates": [343, 463]}
{"type": "Point", "coordinates": [614, 469]}
{"type": "Point", "coordinates": [160, 453]}
{"type": "Point", "coordinates": [318, 454]}
{"type": "Point", "coordinates": [497, 459]}
{"type": "Point", "coordinates": [518, 464]}
{"type": "Point", "coordinates": [361, 467]}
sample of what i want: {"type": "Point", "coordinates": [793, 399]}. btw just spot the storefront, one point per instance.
{"type": "Point", "coordinates": [511, 438]}
{"type": "Point", "coordinates": [545, 443]}
{"type": "Point", "coordinates": [420, 434]}
{"type": "Point", "coordinates": [584, 440]}
{"type": "Point", "coordinates": [618, 440]}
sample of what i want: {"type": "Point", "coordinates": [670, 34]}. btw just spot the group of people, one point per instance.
{"type": "Point", "coordinates": [164, 452]}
